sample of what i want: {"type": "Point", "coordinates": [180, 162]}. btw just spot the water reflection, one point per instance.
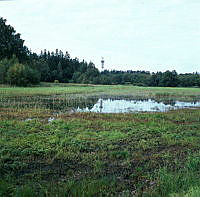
{"type": "Point", "coordinates": [129, 106]}
{"type": "Point", "coordinates": [101, 105]}
{"type": "Point", "coordinates": [66, 103]}
{"type": "Point", "coordinates": [58, 104]}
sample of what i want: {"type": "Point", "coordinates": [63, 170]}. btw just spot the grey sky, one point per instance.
{"type": "Point", "coordinates": [153, 35]}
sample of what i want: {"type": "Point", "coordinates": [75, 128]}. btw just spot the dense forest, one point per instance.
{"type": "Point", "coordinates": [21, 67]}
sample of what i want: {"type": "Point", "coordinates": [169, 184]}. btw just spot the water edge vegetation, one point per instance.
{"type": "Point", "coordinates": [92, 154]}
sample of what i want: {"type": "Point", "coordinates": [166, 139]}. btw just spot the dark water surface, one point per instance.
{"type": "Point", "coordinates": [131, 106]}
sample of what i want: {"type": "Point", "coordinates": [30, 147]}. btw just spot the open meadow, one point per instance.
{"type": "Point", "coordinates": [48, 150]}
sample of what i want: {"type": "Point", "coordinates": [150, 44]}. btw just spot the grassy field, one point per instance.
{"type": "Point", "coordinates": [90, 154]}
{"type": "Point", "coordinates": [97, 90]}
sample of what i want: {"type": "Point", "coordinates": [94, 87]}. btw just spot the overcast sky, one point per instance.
{"type": "Point", "coordinates": [151, 35]}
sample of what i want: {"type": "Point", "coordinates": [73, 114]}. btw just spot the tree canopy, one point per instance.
{"type": "Point", "coordinates": [11, 43]}
{"type": "Point", "coordinates": [20, 67]}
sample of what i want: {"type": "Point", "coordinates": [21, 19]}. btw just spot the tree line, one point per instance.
{"type": "Point", "coordinates": [21, 67]}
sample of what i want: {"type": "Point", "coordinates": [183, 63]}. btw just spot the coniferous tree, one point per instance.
{"type": "Point", "coordinates": [11, 43]}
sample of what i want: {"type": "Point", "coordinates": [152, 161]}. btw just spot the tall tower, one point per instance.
{"type": "Point", "coordinates": [102, 63]}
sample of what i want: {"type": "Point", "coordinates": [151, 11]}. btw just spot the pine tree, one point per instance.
{"type": "Point", "coordinates": [11, 43]}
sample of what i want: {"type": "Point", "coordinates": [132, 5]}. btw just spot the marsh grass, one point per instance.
{"type": "Point", "coordinates": [66, 98]}
{"type": "Point", "coordinates": [90, 154]}
{"type": "Point", "coordinates": [107, 90]}
{"type": "Point", "coordinates": [135, 149]}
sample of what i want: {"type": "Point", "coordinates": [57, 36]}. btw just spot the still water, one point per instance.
{"type": "Point", "coordinates": [131, 106]}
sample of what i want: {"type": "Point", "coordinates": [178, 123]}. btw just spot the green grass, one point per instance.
{"type": "Point", "coordinates": [134, 150]}
{"type": "Point", "coordinates": [159, 93]}
{"type": "Point", "coordinates": [90, 154]}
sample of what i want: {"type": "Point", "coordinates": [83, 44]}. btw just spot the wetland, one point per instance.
{"type": "Point", "coordinates": [48, 150]}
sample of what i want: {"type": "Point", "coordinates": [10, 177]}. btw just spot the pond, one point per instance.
{"type": "Point", "coordinates": [131, 106]}
{"type": "Point", "coordinates": [106, 104]}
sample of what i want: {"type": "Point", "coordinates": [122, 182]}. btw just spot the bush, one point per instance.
{"type": "Point", "coordinates": [56, 81]}
{"type": "Point", "coordinates": [21, 75]}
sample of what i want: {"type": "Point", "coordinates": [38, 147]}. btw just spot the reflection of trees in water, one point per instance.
{"type": "Point", "coordinates": [173, 102]}
{"type": "Point", "coordinates": [101, 105]}
{"type": "Point", "coordinates": [169, 102]}
{"type": "Point", "coordinates": [126, 98]}
{"type": "Point", "coordinates": [195, 102]}
{"type": "Point", "coordinates": [48, 102]}
{"type": "Point", "coordinates": [64, 103]}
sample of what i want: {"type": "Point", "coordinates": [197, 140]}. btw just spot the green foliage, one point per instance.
{"type": "Point", "coordinates": [169, 79]}
{"type": "Point", "coordinates": [2, 73]}
{"type": "Point", "coordinates": [21, 75]}
{"type": "Point", "coordinates": [120, 154]}
{"type": "Point", "coordinates": [56, 81]}
{"type": "Point", "coordinates": [166, 79]}
{"type": "Point", "coordinates": [150, 154]}
{"type": "Point", "coordinates": [26, 191]}
{"type": "Point", "coordinates": [11, 43]}
{"type": "Point", "coordinates": [91, 187]}
{"type": "Point", "coordinates": [193, 192]}
{"type": "Point", "coordinates": [175, 183]}
{"type": "Point", "coordinates": [189, 80]}
{"type": "Point", "coordinates": [51, 66]}
{"type": "Point", "coordinates": [5, 64]}
{"type": "Point", "coordinates": [5, 189]}
{"type": "Point", "coordinates": [14, 73]}
{"type": "Point", "coordinates": [193, 163]}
